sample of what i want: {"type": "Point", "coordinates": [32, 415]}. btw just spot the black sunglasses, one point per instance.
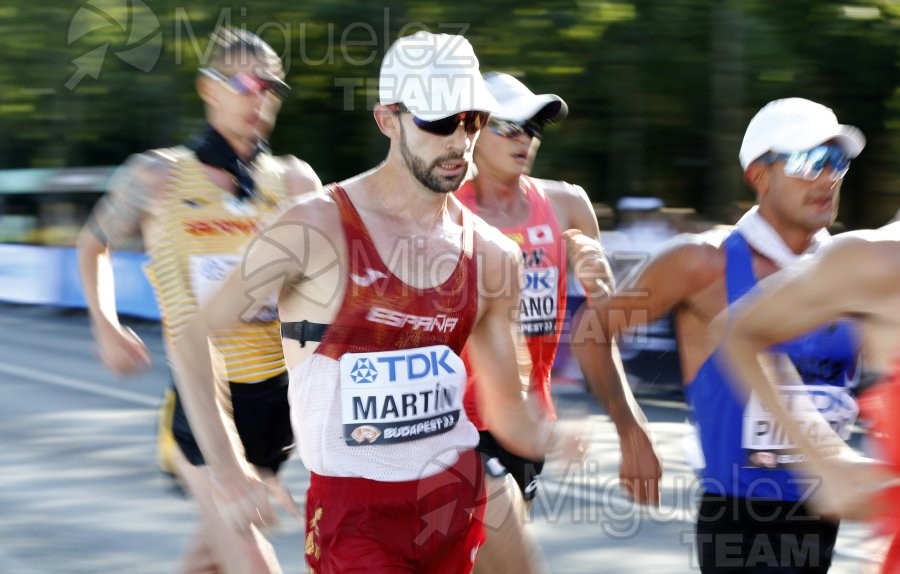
{"type": "Point", "coordinates": [472, 121]}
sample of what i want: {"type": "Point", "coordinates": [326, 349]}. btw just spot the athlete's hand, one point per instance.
{"type": "Point", "coordinates": [640, 468]}
{"type": "Point", "coordinates": [590, 264]}
{"type": "Point", "coordinates": [282, 495]}
{"type": "Point", "coordinates": [243, 501]}
{"type": "Point", "coordinates": [849, 486]}
{"type": "Point", "coordinates": [121, 350]}
{"type": "Point", "coordinates": [567, 446]}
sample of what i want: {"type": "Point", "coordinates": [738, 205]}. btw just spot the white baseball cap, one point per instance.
{"type": "Point", "coordinates": [519, 104]}
{"type": "Point", "coordinates": [795, 124]}
{"type": "Point", "coordinates": [434, 75]}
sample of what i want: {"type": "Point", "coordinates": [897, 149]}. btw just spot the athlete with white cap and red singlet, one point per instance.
{"type": "Point", "coordinates": [381, 279]}
{"type": "Point", "coordinates": [533, 213]}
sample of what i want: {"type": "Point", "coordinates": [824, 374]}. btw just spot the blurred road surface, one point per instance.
{"type": "Point", "coordinates": [80, 492]}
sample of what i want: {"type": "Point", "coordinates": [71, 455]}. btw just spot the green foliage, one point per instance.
{"type": "Point", "coordinates": [659, 92]}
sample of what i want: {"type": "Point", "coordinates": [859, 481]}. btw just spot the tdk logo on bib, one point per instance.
{"type": "Point", "coordinates": [363, 371]}
{"type": "Point", "coordinates": [405, 366]}
{"type": "Point", "coordinates": [396, 396]}
{"type": "Point", "coordinates": [412, 366]}
{"type": "Point", "coordinates": [541, 280]}
{"type": "Point", "coordinates": [539, 303]}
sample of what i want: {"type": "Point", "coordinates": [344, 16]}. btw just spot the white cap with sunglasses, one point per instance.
{"type": "Point", "coordinates": [796, 125]}
{"type": "Point", "coordinates": [434, 76]}
{"type": "Point", "coordinates": [519, 104]}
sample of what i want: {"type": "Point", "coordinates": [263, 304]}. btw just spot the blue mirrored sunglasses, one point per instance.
{"type": "Point", "coordinates": [810, 164]}
{"type": "Point", "coordinates": [512, 130]}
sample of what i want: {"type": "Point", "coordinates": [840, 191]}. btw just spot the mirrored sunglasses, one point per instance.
{"type": "Point", "coordinates": [472, 122]}
{"type": "Point", "coordinates": [244, 83]}
{"type": "Point", "coordinates": [512, 130]}
{"type": "Point", "coordinates": [810, 164]}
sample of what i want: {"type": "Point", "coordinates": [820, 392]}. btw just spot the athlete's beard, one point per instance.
{"type": "Point", "coordinates": [424, 174]}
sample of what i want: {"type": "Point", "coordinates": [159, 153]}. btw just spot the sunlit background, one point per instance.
{"type": "Point", "coordinates": [659, 93]}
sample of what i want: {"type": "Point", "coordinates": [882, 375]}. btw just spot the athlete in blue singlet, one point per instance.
{"type": "Point", "coordinates": [752, 516]}
{"type": "Point", "coordinates": [858, 275]}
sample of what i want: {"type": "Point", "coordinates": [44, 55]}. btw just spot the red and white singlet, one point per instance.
{"type": "Point", "coordinates": [382, 395]}
{"type": "Point", "coordinates": [543, 301]}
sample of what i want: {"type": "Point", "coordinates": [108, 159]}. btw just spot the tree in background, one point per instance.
{"type": "Point", "coordinates": [659, 91]}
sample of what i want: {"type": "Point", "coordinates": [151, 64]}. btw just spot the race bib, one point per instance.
{"type": "Point", "coordinates": [765, 441]}
{"type": "Point", "coordinates": [390, 397]}
{"type": "Point", "coordinates": [540, 301]}
{"type": "Point", "coordinates": [236, 206]}
{"type": "Point", "coordinates": [209, 272]}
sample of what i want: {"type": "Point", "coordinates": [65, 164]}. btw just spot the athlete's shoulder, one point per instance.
{"type": "Point", "coordinates": [499, 259]}
{"type": "Point", "coordinates": [154, 164]}
{"type": "Point", "coordinates": [145, 173]}
{"type": "Point", "coordinates": [310, 225]}
{"type": "Point", "coordinates": [888, 233]}
{"type": "Point", "coordinates": [571, 204]}
{"type": "Point", "coordinates": [707, 246]}
{"type": "Point", "coordinates": [301, 177]}
{"type": "Point", "coordinates": [556, 188]}
{"type": "Point", "coordinates": [698, 257]}
{"type": "Point", "coordinates": [311, 206]}
{"type": "Point", "coordinates": [131, 192]}
{"type": "Point", "coordinates": [712, 238]}
{"type": "Point", "coordinates": [490, 239]}
{"type": "Point", "coordinates": [867, 255]}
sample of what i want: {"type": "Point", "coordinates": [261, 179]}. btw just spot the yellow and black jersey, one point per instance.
{"type": "Point", "coordinates": [195, 234]}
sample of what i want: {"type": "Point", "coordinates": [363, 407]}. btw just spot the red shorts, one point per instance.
{"type": "Point", "coordinates": [431, 525]}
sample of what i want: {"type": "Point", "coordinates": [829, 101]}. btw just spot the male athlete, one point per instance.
{"type": "Point", "coordinates": [196, 207]}
{"type": "Point", "coordinates": [752, 515]}
{"type": "Point", "coordinates": [381, 280]}
{"type": "Point", "coordinates": [533, 212]}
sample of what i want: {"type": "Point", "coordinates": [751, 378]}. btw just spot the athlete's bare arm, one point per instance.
{"type": "Point", "coordinates": [572, 207]}
{"type": "Point", "coordinates": [669, 281]}
{"type": "Point", "coordinates": [301, 178]}
{"type": "Point", "coordinates": [853, 277]}
{"type": "Point", "coordinates": [640, 468]}
{"type": "Point", "coordinates": [492, 350]}
{"type": "Point", "coordinates": [268, 265]}
{"type": "Point", "coordinates": [117, 217]}
{"type": "Point", "coordinates": [273, 261]}
{"type": "Point", "coordinates": [850, 277]}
